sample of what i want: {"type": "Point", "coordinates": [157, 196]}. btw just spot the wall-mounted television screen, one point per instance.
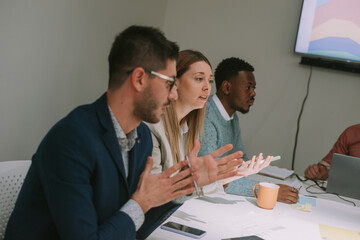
{"type": "Point", "coordinates": [329, 34]}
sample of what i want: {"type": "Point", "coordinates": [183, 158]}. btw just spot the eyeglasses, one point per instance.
{"type": "Point", "coordinates": [169, 80]}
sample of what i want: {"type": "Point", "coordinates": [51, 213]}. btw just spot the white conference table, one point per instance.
{"type": "Point", "coordinates": [229, 216]}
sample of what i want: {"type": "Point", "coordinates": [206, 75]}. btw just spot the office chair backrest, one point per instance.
{"type": "Point", "coordinates": [12, 174]}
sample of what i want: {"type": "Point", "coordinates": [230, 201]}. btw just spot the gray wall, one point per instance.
{"type": "Point", "coordinates": [263, 33]}
{"type": "Point", "coordinates": [53, 58]}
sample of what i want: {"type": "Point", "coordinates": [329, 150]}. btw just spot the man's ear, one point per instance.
{"type": "Point", "coordinates": [225, 87]}
{"type": "Point", "coordinates": [137, 78]}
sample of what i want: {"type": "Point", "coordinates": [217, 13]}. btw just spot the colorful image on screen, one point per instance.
{"type": "Point", "coordinates": [330, 28]}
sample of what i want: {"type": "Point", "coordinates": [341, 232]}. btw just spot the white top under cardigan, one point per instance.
{"type": "Point", "coordinates": [163, 158]}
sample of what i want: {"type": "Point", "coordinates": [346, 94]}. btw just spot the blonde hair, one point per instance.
{"type": "Point", "coordinates": [194, 119]}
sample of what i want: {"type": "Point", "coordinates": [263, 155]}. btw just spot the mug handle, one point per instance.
{"type": "Point", "coordinates": [254, 190]}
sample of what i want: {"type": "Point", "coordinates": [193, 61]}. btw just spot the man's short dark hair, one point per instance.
{"type": "Point", "coordinates": [229, 68]}
{"type": "Point", "coordinates": [139, 46]}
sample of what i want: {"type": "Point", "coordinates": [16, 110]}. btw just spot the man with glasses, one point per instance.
{"type": "Point", "coordinates": [169, 80]}
{"type": "Point", "coordinates": [90, 177]}
{"type": "Point", "coordinates": [235, 84]}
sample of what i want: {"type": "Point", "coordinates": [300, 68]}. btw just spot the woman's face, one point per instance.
{"type": "Point", "coordinates": [194, 85]}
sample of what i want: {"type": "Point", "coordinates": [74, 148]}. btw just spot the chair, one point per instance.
{"type": "Point", "coordinates": [12, 174]}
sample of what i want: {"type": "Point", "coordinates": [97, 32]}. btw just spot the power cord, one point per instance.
{"type": "Point", "coordinates": [298, 120]}
{"type": "Point", "coordinates": [320, 184]}
{"type": "Point", "coordinates": [336, 194]}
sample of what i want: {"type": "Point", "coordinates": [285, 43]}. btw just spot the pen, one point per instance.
{"type": "Point", "coordinates": [294, 188]}
{"type": "Point", "coordinates": [197, 189]}
{"type": "Point", "coordinates": [273, 159]}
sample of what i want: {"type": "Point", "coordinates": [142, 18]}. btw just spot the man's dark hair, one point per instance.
{"type": "Point", "coordinates": [229, 68]}
{"type": "Point", "coordinates": [139, 46]}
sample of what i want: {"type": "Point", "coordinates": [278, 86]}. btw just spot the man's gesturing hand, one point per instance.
{"type": "Point", "coordinates": [158, 189]}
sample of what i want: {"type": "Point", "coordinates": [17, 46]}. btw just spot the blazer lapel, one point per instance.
{"type": "Point", "coordinates": [114, 149]}
{"type": "Point", "coordinates": [109, 136]}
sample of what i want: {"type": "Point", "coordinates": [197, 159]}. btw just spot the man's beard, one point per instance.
{"type": "Point", "coordinates": [146, 108]}
{"type": "Point", "coordinates": [244, 110]}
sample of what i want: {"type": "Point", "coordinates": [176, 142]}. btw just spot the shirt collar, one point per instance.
{"type": "Point", "coordinates": [221, 108]}
{"type": "Point", "coordinates": [126, 141]}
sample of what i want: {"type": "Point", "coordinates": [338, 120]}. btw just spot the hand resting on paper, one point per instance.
{"type": "Point", "coordinates": [287, 194]}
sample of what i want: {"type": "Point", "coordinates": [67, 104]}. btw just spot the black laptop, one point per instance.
{"type": "Point", "coordinates": [344, 176]}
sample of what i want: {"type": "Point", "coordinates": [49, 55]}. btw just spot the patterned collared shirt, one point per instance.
{"type": "Point", "coordinates": [126, 143]}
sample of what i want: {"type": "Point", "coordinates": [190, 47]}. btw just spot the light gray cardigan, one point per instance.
{"type": "Point", "coordinates": [161, 148]}
{"type": "Point", "coordinates": [163, 158]}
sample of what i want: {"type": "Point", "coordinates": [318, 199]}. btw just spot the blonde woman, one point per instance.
{"type": "Point", "coordinates": [176, 135]}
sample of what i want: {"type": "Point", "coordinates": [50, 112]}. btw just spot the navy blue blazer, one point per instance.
{"type": "Point", "coordinates": [76, 183]}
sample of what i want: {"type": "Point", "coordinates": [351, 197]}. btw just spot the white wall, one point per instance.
{"type": "Point", "coordinates": [53, 57]}
{"type": "Point", "coordinates": [263, 33]}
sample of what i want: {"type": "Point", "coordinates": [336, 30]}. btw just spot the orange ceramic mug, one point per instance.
{"type": "Point", "coordinates": [267, 195]}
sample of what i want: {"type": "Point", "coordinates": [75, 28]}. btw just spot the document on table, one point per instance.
{"type": "Point", "coordinates": [238, 216]}
{"type": "Point", "coordinates": [276, 172]}
{"type": "Point", "coordinates": [304, 204]}
{"type": "Point", "coordinates": [334, 233]}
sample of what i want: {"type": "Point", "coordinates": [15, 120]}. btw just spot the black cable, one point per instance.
{"type": "Point", "coordinates": [314, 185]}
{"type": "Point", "coordinates": [344, 199]}
{"type": "Point", "coordinates": [298, 120]}
{"type": "Point", "coordinates": [300, 179]}
{"type": "Point", "coordinates": [336, 194]}
{"type": "Point", "coordinates": [320, 184]}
